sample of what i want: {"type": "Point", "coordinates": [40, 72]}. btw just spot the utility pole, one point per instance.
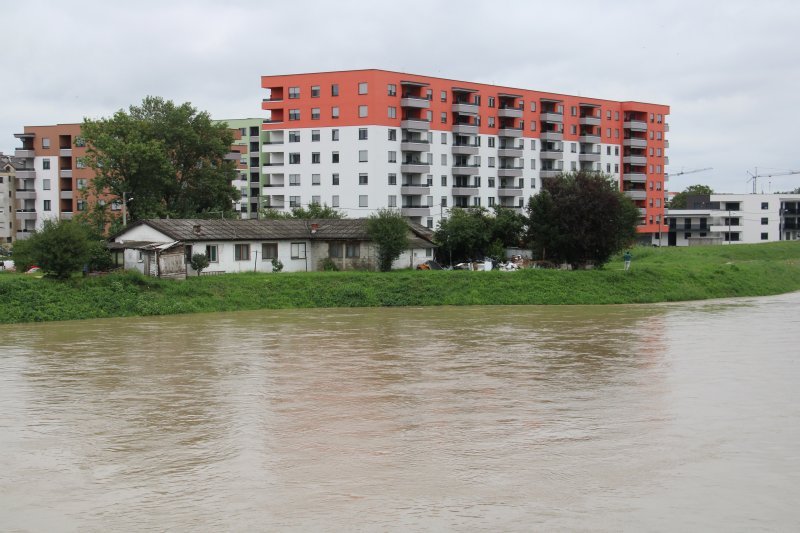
{"type": "Point", "coordinates": [125, 209]}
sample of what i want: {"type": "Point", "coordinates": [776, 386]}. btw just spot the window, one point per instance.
{"type": "Point", "coordinates": [294, 136]}
{"type": "Point", "coordinates": [392, 89]}
{"type": "Point", "coordinates": [490, 182]}
{"type": "Point", "coordinates": [491, 122]}
{"type": "Point", "coordinates": [298, 250]}
{"type": "Point", "coordinates": [334, 157]}
{"type": "Point", "coordinates": [363, 156]}
{"type": "Point", "coordinates": [314, 136]}
{"type": "Point", "coordinates": [533, 106]}
{"type": "Point", "coordinates": [294, 92]}
{"type": "Point", "coordinates": [491, 100]}
{"type": "Point", "coordinates": [764, 221]}
{"type": "Point", "coordinates": [392, 134]}
{"type": "Point", "coordinates": [335, 179]}
{"type": "Point", "coordinates": [334, 134]}
{"type": "Point", "coordinates": [392, 200]}
{"type": "Point", "coordinates": [80, 163]}
{"type": "Point", "coordinates": [444, 180]}
{"type": "Point", "coordinates": [269, 251]}
{"type": "Point", "coordinates": [444, 160]}
{"type": "Point", "coordinates": [335, 89]}
{"type": "Point", "coordinates": [392, 156]}
{"type": "Point", "coordinates": [314, 113]}
{"type": "Point", "coordinates": [476, 201]}
{"type": "Point", "coordinates": [362, 88]}
{"type": "Point", "coordinates": [362, 134]}
{"type": "Point", "coordinates": [294, 201]}
{"type": "Point", "coordinates": [608, 114]}
{"type": "Point", "coordinates": [429, 225]}
{"type": "Point", "coordinates": [352, 249]}
{"type": "Point", "coordinates": [46, 185]}
{"type": "Point", "coordinates": [392, 112]}
{"type": "Point", "coordinates": [316, 179]}
{"type": "Point", "coordinates": [573, 166]}
{"type": "Point", "coordinates": [765, 236]}
{"type": "Point", "coordinates": [363, 200]}
{"type": "Point", "coordinates": [335, 112]}
{"type": "Point", "coordinates": [491, 162]}
{"type": "Point", "coordinates": [241, 252]}
{"type": "Point", "coordinates": [429, 180]}
{"type": "Point", "coordinates": [573, 129]}
{"type": "Point", "coordinates": [363, 179]}
{"type": "Point", "coordinates": [294, 158]}
{"type": "Point", "coordinates": [392, 179]}
{"type": "Point", "coordinates": [533, 144]}
{"type": "Point", "coordinates": [491, 201]}
{"type": "Point", "coordinates": [46, 205]}
{"type": "Point", "coordinates": [362, 111]}
{"type": "Point", "coordinates": [81, 184]}
{"type": "Point", "coordinates": [81, 205]}
{"type": "Point", "coordinates": [315, 91]}
{"type": "Point", "coordinates": [573, 111]}
{"type": "Point", "coordinates": [335, 200]}
{"type": "Point", "coordinates": [616, 115]}
{"type": "Point", "coordinates": [573, 147]}
{"type": "Point", "coordinates": [444, 201]}
{"type": "Point", "coordinates": [45, 142]}
{"type": "Point", "coordinates": [211, 253]}
{"type": "Point", "coordinates": [294, 180]}
{"type": "Point", "coordinates": [294, 114]}
{"type": "Point", "coordinates": [444, 96]}
{"type": "Point", "coordinates": [764, 205]}
{"type": "Point", "coordinates": [315, 158]}
{"type": "Point", "coordinates": [335, 249]}
{"type": "Point", "coordinates": [491, 142]}
{"type": "Point", "coordinates": [429, 94]}
{"type": "Point", "coordinates": [45, 164]}
{"type": "Point", "coordinates": [444, 117]}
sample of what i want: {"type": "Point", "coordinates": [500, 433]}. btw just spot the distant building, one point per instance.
{"type": "Point", "coordinates": [8, 201]}
{"type": "Point", "coordinates": [733, 218]}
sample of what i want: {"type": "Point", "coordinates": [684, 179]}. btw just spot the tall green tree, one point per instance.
{"type": "Point", "coordinates": [59, 248]}
{"type": "Point", "coordinates": [581, 218]}
{"type": "Point", "coordinates": [388, 229]}
{"type": "Point", "coordinates": [464, 234]}
{"type": "Point", "coordinates": [169, 158]}
{"type": "Point", "coordinates": [679, 200]}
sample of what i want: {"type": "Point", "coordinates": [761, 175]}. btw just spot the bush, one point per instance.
{"type": "Point", "coordinates": [59, 249]}
{"type": "Point", "coordinates": [277, 265]}
{"type": "Point", "coordinates": [328, 265]}
{"type": "Point", "coordinates": [199, 262]}
{"type": "Point", "coordinates": [388, 229]}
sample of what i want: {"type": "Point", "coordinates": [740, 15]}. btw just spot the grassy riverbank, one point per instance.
{"type": "Point", "coordinates": [658, 274]}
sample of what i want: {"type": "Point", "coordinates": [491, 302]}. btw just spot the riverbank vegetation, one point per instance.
{"type": "Point", "coordinates": [657, 275]}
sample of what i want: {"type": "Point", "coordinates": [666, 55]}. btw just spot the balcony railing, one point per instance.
{"type": "Point", "coordinates": [509, 112]}
{"type": "Point", "coordinates": [465, 149]}
{"type": "Point", "coordinates": [589, 121]}
{"type": "Point", "coordinates": [551, 136]}
{"type": "Point", "coordinates": [636, 125]}
{"type": "Point", "coordinates": [415, 124]}
{"type": "Point", "coordinates": [510, 132]}
{"type": "Point", "coordinates": [551, 117]}
{"type": "Point", "coordinates": [415, 211]}
{"type": "Point", "coordinates": [415, 190]}
{"type": "Point", "coordinates": [636, 195]}
{"type": "Point", "coordinates": [415, 103]}
{"type": "Point", "coordinates": [466, 170]}
{"type": "Point", "coordinates": [415, 167]}
{"type": "Point", "coordinates": [465, 129]}
{"type": "Point", "coordinates": [465, 108]}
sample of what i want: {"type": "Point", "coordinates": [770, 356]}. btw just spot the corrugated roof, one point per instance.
{"type": "Point", "coordinates": [189, 230]}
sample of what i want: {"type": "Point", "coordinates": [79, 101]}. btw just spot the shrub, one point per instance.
{"type": "Point", "coordinates": [277, 265]}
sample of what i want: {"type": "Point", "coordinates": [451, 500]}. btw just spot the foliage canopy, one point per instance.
{"type": "Point", "coordinates": [388, 229]}
{"type": "Point", "coordinates": [59, 249]}
{"type": "Point", "coordinates": [679, 200]}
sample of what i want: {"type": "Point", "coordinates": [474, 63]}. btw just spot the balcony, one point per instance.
{"type": "Point", "coordinates": [642, 211]}
{"type": "Point", "coordinates": [509, 112]}
{"type": "Point", "coordinates": [415, 211]}
{"type": "Point", "coordinates": [26, 214]}
{"type": "Point", "coordinates": [19, 152]}
{"type": "Point", "coordinates": [509, 191]}
{"type": "Point", "coordinates": [465, 129]}
{"type": "Point", "coordinates": [415, 190]}
{"type": "Point", "coordinates": [551, 136]}
{"type": "Point", "coordinates": [415, 124]}
{"type": "Point", "coordinates": [465, 108]}
{"type": "Point", "coordinates": [65, 173]}
{"type": "Point", "coordinates": [589, 156]}
{"type": "Point", "coordinates": [509, 152]}
{"type": "Point", "coordinates": [551, 117]}
{"type": "Point", "coordinates": [725, 229]}
{"type": "Point", "coordinates": [510, 132]}
{"type": "Point", "coordinates": [268, 168]}
{"type": "Point", "coordinates": [26, 174]}
{"type": "Point", "coordinates": [635, 143]}
{"type": "Point", "coordinates": [594, 139]}
{"type": "Point", "coordinates": [415, 168]}
{"type": "Point", "coordinates": [24, 234]}
{"type": "Point", "coordinates": [636, 195]}
{"type": "Point", "coordinates": [553, 155]}
{"type": "Point", "coordinates": [509, 172]}
{"type": "Point", "coordinates": [464, 191]}
{"type": "Point", "coordinates": [466, 170]}
{"type": "Point", "coordinates": [635, 125]}
{"type": "Point", "coordinates": [465, 149]}
{"type": "Point", "coordinates": [589, 121]}
{"type": "Point", "coordinates": [638, 160]}
{"type": "Point", "coordinates": [65, 152]}
{"type": "Point", "coordinates": [26, 194]}
{"type": "Point", "coordinates": [269, 189]}
{"type": "Point", "coordinates": [65, 195]}
{"type": "Point", "coordinates": [415, 146]}
{"type": "Point", "coordinates": [550, 173]}
{"type": "Point", "coordinates": [415, 103]}
{"type": "Point", "coordinates": [635, 177]}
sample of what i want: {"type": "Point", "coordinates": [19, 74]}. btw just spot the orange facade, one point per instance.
{"type": "Point", "coordinates": [334, 99]}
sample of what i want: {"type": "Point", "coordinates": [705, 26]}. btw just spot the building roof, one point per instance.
{"type": "Point", "coordinates": [192, 230]}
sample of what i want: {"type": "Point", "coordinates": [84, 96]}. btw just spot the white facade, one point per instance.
{"type": "Point", "coordinates": [735, 218]}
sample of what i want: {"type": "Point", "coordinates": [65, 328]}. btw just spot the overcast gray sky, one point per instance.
{"type": "Point", "coordinates": [730, 70]}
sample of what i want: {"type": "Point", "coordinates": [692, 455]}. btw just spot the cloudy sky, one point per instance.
{"type": "Point", "coordinates": [730, 70]}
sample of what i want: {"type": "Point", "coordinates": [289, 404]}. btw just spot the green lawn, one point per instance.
{"type": "Point", "coordinates": [657, 275]}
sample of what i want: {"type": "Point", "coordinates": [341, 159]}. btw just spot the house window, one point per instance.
{"type": "Point", "coordinates": [335, 112]}
{"type": "Point", "coordinates": [335, 179]}
{"type": "Point", "coordinates": [81, 184]}
{"type": "Point", "coordinates": [335, 249]}
{"type": "Point", "coordinates": [211, 253]}
{"type": "Point", "coordinates": [363, 200]}
{"type": "Point", "coordinates": [764, 205]}
{"type": "Point", "coordinates": [315, 158]}
{"type": "Point", "coordinates": [335, 200]}
{"type": "Point", "coordinates": [765, 236]}
{"type": "Point", "coordinates": [392, 89]}
{"type": "Point", "coordinates": [241, 252]}
{"type": "Point", "coordinates": [392, 156]}
{"type": "Point", "coordinates": [298, 250]}
{"type": "Point", "coordinates": [764, 221]}
{"type": "Point", "coordinates": [335, 89]}
{"type": "Point", "coordinates": [269, 251]}
{"type": "Point", "coordinates": [294, 136]}
{"type": "Point", "coordinates": [45, 164]}
{"type": "Point", "coordinates": [316, 179]}
{"type": "Point", "coordinates": [392, 179]}
{"type": "Point", "coordinates": [362, 111]}
{"type": "Point", "coordinates": [315, 91]}
{"type": "Point", "coordinates": [444, 96]}
{"type": "Point", "coordinates": [352, 249]}
{"type": "Point", "coordinates": [363, 179]}
{"type": "Point", "coordinates": [444, 201]}
{"type": "Point", "coordinates": [362, 156]}
{"type": "Point", "coordinates": [362, 88]}
{"type": "Point", "coordinates": [47, 205]}
{"type": "Point", "coordinates": [314, 136]}
{"type": "Point", "coordinates": [334, 134]}
{"type": "Point", "coordinates": [334, 157]}
{"type": "Point", "coordinates": [294, 158]}
{"type": "Point", "coordinates": [392, 112]}
{"type": "Point", "coordinates": [392, 134]}
{"type": "Point", "coordinates": [491, 101]}
{"type": "Point", "coordinates": [392, 200]}
{"type": "Point", "coordinates": [81, 205]}
{"type": "Point", "coordinates": [294, 114]}
{"type": "Point", "coordinates": [363, 134]}
{"type": "Point", "coordinates": [45, 142]}
{"type": "Point", "coordinates": [444, 180]}
{"type": "Point", "coordinates": [294, 201]}
{"type": "Point", "coordinates": [294, 92]}
{"type": "Point", "coordinates": [314, 113]}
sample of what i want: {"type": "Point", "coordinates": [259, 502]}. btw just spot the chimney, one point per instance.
{"type": "Point", "coordinates": [314, 228]}
{"type": "Point", "coordinates": [196, 228]}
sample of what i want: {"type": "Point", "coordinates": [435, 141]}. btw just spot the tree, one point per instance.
{"type": "Point", "coordinates": [59, 249]}
{"type": "Point", "coordinates": [169, 158]}
{"type": "Point", "coordinates": [679, 200]}
{"type": "Point", "coordinates": [314, 210]}
{"type": "Point", "coordinates": [581, 218]}
{"type": "Point", "coordinates": [199, 262]}
{"type": "Point", "coordinates": [465, 234]}
{"type": "Point", "coordinates": [389, 231]}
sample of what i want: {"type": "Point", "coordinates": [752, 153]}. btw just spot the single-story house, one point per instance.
{"type": "Point", "coordinates": [164, 247]}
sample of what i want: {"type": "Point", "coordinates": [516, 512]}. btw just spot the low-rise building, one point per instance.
{"type": "Point", "coordinates": [733, 218]}
{"type": "Point", "coordinates": [164, 247]}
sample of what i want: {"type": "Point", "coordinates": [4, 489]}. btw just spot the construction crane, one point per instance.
{"type": "Point", "coordinates": [682, 172]}
{"type": "Point", "coordinates": [755, 175]}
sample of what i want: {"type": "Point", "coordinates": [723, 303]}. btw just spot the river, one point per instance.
{"type": "Point", "coordinates": [671, 417]}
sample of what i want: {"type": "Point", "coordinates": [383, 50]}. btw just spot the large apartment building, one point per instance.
{"type": "Point", "coordinates": [367, 139]}
{"type": "Point", "coordinates": [8, 199]}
